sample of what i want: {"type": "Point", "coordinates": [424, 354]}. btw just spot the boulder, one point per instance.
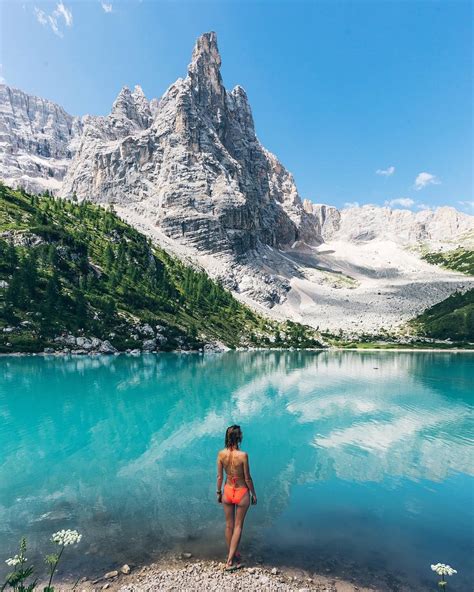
{"type": "Point", "coordinates": [161, 339]}
{"type": "Point", "coordinates": [147, 330]}
{"type": "Point", "coordinates": [149, 344]}
{"type": "Point", "coordinates": [107, 348]}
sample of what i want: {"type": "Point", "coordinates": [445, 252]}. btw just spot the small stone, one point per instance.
{"type": "Point", "coordinates": [111, 574]}
{"type": "Point", "coordinates": [125, 569]}
{"type": "Point", "coordinates": [251, 570]}
{"type": "Point", "coordinates": [274, 571]}
{"type": "Point", "coordinates": [186, 555]}
{"type": "Point", "coordinates": [105, 586]}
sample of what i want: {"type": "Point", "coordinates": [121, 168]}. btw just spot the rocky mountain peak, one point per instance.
{"type": "Point", "coordinates": [204, 73]}
{"type": "Point", "coordinates": [132, 107]}
{"type": "Point", "coordinates": [206, 59]}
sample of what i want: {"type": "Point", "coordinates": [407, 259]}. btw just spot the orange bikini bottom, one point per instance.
{"type": "Point", "coordinates": [234, 495]}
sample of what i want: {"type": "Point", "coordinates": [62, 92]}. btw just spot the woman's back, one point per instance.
{"type": "Point", "coordinates": [234, 465]}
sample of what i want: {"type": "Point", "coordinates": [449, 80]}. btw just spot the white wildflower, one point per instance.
{"type": "Point", "coordinates": [13, 561]}
{"type": "Point", "coordinates": [443, 570]}
{"type": "Point", "coordinates": [66, 537]}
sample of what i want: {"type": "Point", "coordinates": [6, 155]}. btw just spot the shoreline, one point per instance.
{"type": "Point", "coordinates": [185, 573]}
{"type": "Point", "coordinates": [60, 354]}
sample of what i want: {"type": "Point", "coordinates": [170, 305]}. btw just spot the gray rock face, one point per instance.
{"type": "Point", "coordinates": [37, 141]}
{"type": "Point", "coordinates": [193, 164]}
{"type": "Point", "coordinates": [357, 224]}
{"type": "Point", "coordinates": [327, 218]}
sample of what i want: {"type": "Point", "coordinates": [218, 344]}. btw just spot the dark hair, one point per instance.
{"type": "Point", "coordinates": [233, 436]}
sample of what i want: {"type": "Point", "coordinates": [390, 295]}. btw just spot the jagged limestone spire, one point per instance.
{"type": "Point", "coordinates": [204, 72]}
{"type": "Point", "coordinates": [206, 59]}
{"type": "Point", "coordinates": [132, 106]}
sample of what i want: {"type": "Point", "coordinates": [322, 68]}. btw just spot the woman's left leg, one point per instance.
{"type": "Point", "coordinates": [229, 511]}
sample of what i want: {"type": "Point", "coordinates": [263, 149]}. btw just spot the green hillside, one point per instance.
{"type": "Point", "coordinates": [457, 259]}
{"type": "Point", "coordinates": [76, 268]}
{"type": "Point", "coordinates": [452, 318]}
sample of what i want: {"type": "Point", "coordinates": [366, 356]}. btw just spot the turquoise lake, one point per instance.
{"type": "Point", "coordinates": [362, 461]}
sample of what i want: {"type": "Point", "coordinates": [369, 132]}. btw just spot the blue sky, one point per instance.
{"type": "Point", "coordinates": [339, 90]}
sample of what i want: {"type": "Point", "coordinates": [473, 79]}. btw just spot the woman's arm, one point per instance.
{"type": "Point", "coordinates": [219, 478]}
{"type": "Point", "coordinates": [248, 479]}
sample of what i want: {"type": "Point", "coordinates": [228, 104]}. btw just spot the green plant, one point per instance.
{"type": "Point", "coordinates": [443, 570]}
{"type": "Point", "coordinates": [17, 578]}
{"type": "Point", "coordinates": [63, 538]}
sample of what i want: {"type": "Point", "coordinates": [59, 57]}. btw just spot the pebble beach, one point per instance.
{"type": "Point", "coordinates": [183, 574]}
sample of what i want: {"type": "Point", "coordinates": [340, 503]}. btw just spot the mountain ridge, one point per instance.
{"type": "Point", "coordinates": [190, 172]}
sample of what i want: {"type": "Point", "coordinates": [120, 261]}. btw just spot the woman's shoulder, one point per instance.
{"type": "Point", "coordinates": [238, 453]}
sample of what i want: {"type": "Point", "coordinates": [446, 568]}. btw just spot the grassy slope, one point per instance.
{"type": "Point", "coordinates": [452, 318]}
{"type": "Point", "coordinates": [68, 267]}
{"type": "Point", "coordinates": [457, 259]}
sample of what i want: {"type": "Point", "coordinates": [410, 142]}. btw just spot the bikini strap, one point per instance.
{"type": "Point", "coordinates": [233, 478]}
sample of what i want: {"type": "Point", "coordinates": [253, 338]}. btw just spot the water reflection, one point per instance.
{"type": "Point", "coordinates": [123, 447]}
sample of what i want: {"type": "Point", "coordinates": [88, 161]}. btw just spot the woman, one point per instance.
{"type": "Point", "coordinates": [239, 491]}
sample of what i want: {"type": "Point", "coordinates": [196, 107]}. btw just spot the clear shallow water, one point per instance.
{"type": "Point", "coordinates": [359, 459]}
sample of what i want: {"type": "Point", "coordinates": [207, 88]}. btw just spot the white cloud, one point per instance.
{"type": "Point", "coordinates": [41, 16]}
{"type": "Point", "coordinates": [2, 78]}
{"type": "Point", "coordinates": [424, 179]}
{"type": "Point", "coordinates": [404, 202]}
{"type": "Point", "coordinates": [106, 6]}
{"type": "Point", "coordinates": [423, 206]}
{"type": "Point", "coordinates": [61, 10]}
{"type": "Point", "coordinates": [351, 204]}
{"type": "Point", "coordinates": [54, 20]}
{"type": "Point", "coordinates": [386, 172]}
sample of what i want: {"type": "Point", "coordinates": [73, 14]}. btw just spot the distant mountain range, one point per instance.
{"type": "Point", "coordinates": [189, 171]}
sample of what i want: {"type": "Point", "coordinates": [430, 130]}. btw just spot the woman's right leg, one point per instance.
{"type": "Point", "coordinates": [240, 513]}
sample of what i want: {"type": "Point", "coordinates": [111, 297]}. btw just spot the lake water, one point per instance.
{"type": "Point", "coordinates": [362, 461]}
